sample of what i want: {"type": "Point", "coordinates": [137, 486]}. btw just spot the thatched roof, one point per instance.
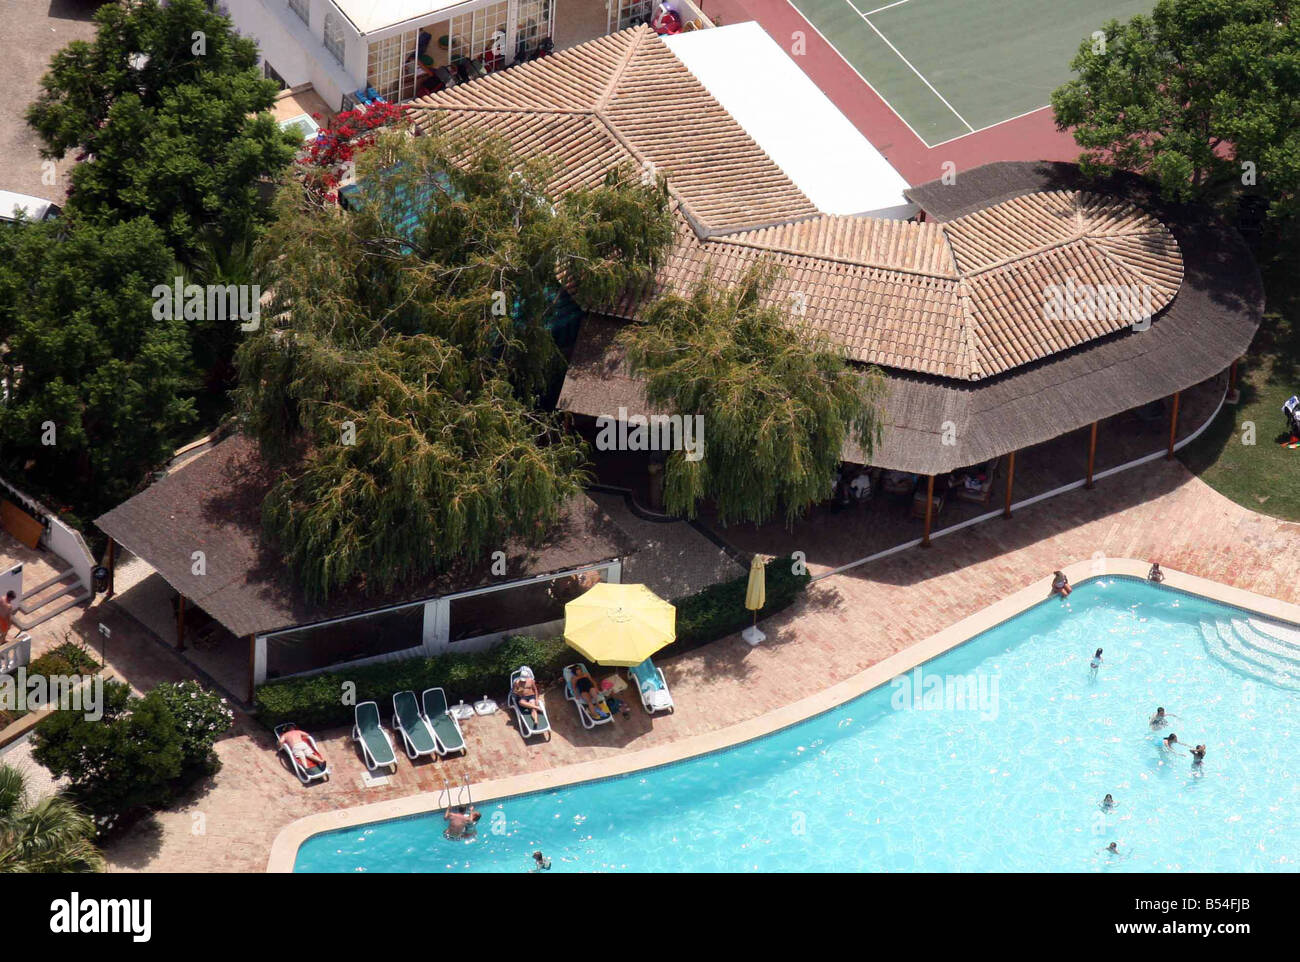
{"type": "Point", "coordinates": [213, 504]}
{"type": "Point", "coordinates": [1208, 324]}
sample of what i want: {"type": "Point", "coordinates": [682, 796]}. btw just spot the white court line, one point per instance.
{"type": "Point", "coordinates": [900, 56]}
{"type": "Point", "coordinates": [879, 96]}
{"type": "Point", "coordinates": [896, 3]}
{"type": "Point", "coordinates": [991, 126]}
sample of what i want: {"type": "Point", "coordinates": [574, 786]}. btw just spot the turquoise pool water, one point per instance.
{"type": "Point", "coordinates": [1009, 777]}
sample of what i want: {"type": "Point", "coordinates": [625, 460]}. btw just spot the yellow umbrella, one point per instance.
{"type": "Point", "coordinates": [619, 624]}
{"type": "Point", "coordinates": [755, 597]}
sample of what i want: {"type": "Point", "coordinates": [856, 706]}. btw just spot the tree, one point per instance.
{"type": "Point", "coordinates": [409, 345]}
{"type": "Point", "coordinates": [96, 387]}
{"type": "Point", "coordinates": [202, 717]}
{"type": "Point", "coordinates": [49, 835]}
{"type": "Point", "coordinates": [777, 401]}
{"type": "Point", "coordinates": [168, 113]}
{"type": "Point", "coordinates": [125, 761]}
{"type": "Point", "coordinates": [1202, 95]}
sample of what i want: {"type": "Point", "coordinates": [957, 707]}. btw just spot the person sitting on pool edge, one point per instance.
{"type": "Point", "coordinates": [585, 688]}
{"type": "Point", "coordinates": [526, 692]}
{"type": "Point", "coordinates": [1155, 574]}
{"type": "Point", "coordinates": [461, 822]}
{"type": "Point", "coordinates": [1061, 584]}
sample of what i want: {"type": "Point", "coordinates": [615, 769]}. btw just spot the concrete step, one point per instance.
{"type": "Point", "coordinates": [48, 591]}
{"type": "Point", "coordinates": [52, 608]}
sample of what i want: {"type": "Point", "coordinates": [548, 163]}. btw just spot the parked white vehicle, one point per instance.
{"type": "Point", "coordinates": [33, 208]}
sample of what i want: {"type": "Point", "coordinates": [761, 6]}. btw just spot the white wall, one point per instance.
{"type": "Point", "coordinates": [296, 51]}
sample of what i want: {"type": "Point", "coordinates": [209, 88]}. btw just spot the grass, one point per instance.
{"type": "Point", "coordinates": [1263, 477]}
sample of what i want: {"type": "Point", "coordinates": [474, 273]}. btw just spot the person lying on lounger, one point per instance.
{"type": "Point", "coordinates": [526, 696]}
{"type": "Point", "coordinates": [585, 688]}
{"type": "Point", "coordinates": [301, 747]}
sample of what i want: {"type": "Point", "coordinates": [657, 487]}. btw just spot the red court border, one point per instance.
{"type": "Point", "coordinates": [1031, 137]}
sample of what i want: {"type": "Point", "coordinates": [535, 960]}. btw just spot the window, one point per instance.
{"type": "Point", "coordinates": [303, 9]}
{"type": "Point", "coordinates": [471, 33]}
{"type": "Point", "coordinates": [270, 73]}
{"type": "Point", "coordinates": [390, 68]}
{"type": "Point", "coordinates": [380, 633]}
{"type": "Point", "coordinates": [629, 13]}
{"type": "Point", "coordinates": [535, 17]}
{"type": "Point", "coordinates": [333, 35]}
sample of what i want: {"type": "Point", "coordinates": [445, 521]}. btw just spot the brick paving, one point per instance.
{"type": "Point", "coordinates": [845, 624]}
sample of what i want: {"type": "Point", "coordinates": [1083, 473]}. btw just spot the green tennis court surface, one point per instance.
{"type": "Point", "coordinates": [952, 67]}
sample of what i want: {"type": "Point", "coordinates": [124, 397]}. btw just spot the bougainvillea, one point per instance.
{"type": "Point", "coordinates": [337, 144]}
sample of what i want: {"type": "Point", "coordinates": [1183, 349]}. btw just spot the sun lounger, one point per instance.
{"type": "Point", "coordinates": [376, 745]}
{"type": "Point", "coordinates": [650, 681]}
{"type": "Point", "coordinates": [306, 771]}
{"type": "Point", "coordinates": [446, 728]}
{"type": "Point", "coordinates": [590, 718]}
{"type": "Point", "coordinates": [416, 734]}
{"type": "Point", "coordinates": [523, 717]}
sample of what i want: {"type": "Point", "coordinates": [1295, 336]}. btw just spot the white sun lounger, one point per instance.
{"type": "Point", "coordinates": [305, 774]}
{"type": "Point", "coordinates": [417, 736]}
{"type": "Point", "coordinates": [589, 718]}
{"type": "Point", "coordinates": [376, 744]}
{"type": "Point", "coordinates": [523, 717]}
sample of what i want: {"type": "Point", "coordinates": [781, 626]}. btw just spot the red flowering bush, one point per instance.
{"type": "Point", "coordinates": [338, 143]}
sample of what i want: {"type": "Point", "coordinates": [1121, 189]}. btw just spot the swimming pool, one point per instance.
{"type": "Point", "coordinates": [994, 757]}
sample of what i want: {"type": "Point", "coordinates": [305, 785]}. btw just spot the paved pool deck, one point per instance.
{"type": "Point", "coordinates": [846, 624]}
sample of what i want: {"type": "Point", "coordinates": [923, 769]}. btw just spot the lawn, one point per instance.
{"type": "Point", "coordinates": [1264, 477]}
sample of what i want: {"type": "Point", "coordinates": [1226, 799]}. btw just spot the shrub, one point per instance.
{"type": "Point", "coordinates": [201, 718]}
{"type": "Point", "coordinates": [317, 701]}
{"type": "Point", "coordinates": [69, 658]}
{"type": "Point", "coordinates": [719, 610]}
{"type": "Point", "coordinates": [123, 762]}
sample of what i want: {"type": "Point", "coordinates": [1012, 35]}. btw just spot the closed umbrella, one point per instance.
{"type": "Point", "coordinates": [619, 625]}
{"type": "Point", "coordinates": [755, 597]}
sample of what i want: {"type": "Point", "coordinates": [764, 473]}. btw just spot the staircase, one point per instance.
{"type": "Point", "coordinates": [1265, 650]}
{"type": "Point", "coordinates": [51, 597]}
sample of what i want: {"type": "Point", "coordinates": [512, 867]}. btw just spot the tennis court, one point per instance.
{"type": "Point", "coordinates": [953, 67]}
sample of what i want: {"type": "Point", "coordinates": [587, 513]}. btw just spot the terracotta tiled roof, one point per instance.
{"type": "Point", "coordinates": [965, 299]}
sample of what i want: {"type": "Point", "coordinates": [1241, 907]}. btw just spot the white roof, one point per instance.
{"type": "Point", "coordinates": [792, 120]}
{"type": "Point", "coordinates": [370, 15]}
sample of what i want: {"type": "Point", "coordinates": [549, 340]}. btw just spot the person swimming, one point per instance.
{"type": "Point", "coordinates": [1095, 663]}
{"type": "Point", "coordinates": [1160, 719]}
{"type": "Point", "coordinates": [1169, 742]}
{"type": "Point", "coordinates": [1112, 848]}
{"type": "Point", "coordinates": [1108, 802]}
{"type": "Point", "coordinates": [1198, 755]}
{"type": "Point", "coordinates": [540, 862]}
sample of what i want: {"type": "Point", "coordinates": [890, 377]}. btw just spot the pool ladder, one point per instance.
{"type": "Point", "coordinates": [464, 794]}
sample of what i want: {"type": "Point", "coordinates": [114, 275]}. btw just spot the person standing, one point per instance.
{"type": "Point", "coordinates": [7, 610]}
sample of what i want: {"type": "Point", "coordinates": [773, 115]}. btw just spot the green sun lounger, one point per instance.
{"type": "Point", "coordinates": [376, 746]}
{"type": "Point", "coordinates": [410, 721]}
{"type": "Point", "coordinates": [445, 725]}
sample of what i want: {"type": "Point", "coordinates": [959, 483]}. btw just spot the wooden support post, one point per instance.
{"type": "Point", "coordinates": [110, 564]}
{"type": "Point", "coordinates": [1173, 426]}
{"type": "Point", "coordinates": [252, 666]}
{"type": "Point", "coordinates": [180, 623]}
{"type": "Point", "coordinates": [1011, 476]}
{"type": "Point", "coordinates": [929, 509]}
{"type": "Point", "coordinates": [1233, 396]}
{"type": "Point", "coordinates": [1092, 455]}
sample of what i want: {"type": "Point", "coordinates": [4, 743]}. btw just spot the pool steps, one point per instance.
{"type": "Point", "coordinates": [1260, 649]}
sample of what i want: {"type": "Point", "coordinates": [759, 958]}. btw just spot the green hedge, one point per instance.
{"type": "Point", "coordinates": [317, 701]}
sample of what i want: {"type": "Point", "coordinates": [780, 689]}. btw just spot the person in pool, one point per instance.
{"type": "Point", "coordinates": [1112, 848]}
{"type": "Point", "coordinates": [1108, 802]}
{"type": "Point", "coordinates": [1160, 719]}
{"type": "Point", "coordinates": [1198, 755]}
{"type": "Point", "coordinates": [461, 822]}
{"type": "Point", "coordinates": [1170, 742]}
{"type": "Point", "coordinates": [1061, 584]}
{"type": "Point", "coordinates": [1095, 663]}
{"type": "Point", "coordinates": [540, 862]}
